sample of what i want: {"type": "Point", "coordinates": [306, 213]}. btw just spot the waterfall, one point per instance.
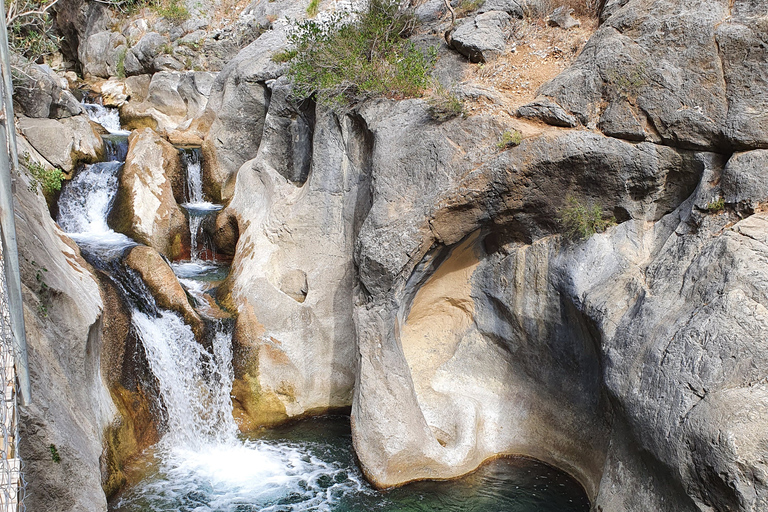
{"type": "Point", "coordinates": [107, 117]}
{"type": "Point", "coordinates": [84, 204]}
{"type": "Point", "coordinates": [198, 209]}
{"type": "Point", "coordinates": [194, 384]}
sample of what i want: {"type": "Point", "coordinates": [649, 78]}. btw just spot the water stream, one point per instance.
{"type": "Point", "coordinates": [202, 463]}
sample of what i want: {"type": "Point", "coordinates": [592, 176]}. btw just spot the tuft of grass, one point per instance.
{"type": "Point", "coordinates": [466, 7]}
{"type": "Point", "coordinates": [581, 222]}
{"type": "Point", "coordinates": [283, 56]}
{"type": "Point", "coordinates": [173, 10]}
{"type": "Point", "coordinates": [48, 180]}
{"type": "Point", "coordinates": [55, 457]}
{"type": "Point", "coordinates": [313, 8]}
{"type": "Point", "coordinates": [345, 59]}
{"type": "Point", "coordinates": [716, 206]}
{"type": "Point", "coordinates": [444, 104]}
{"type": "Point", "coordinates": [510, 139]}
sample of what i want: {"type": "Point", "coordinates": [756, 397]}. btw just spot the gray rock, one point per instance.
{"type": "Point", "coordinates": [167, 63]}
{"type": "Point", "coordinates": [63, 143]}
{"type": "Point", "coordinates": [511, 7]}
{"type": "Point", "coordinates": [239, 103]}
{"type": "Point", "coordinates": [70, 406]}
{"type": "Point", "coordinates": [744, 183]}
{"type": "Point", "coordinates": [562, 17]}
{"type": "Point", "coordinates": [549, 112]}
{"type": "Point", "coordinates": [147, 50]}
{"type": "Point", "coordinates": [482, 37]}
{"type": "Point", "coordinates": [39, 92]}
{"type": "Point", "coordinates": [101, 53]}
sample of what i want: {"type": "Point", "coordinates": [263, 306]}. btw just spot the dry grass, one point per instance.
{"type": "Point", "coordinates": [581, 8]}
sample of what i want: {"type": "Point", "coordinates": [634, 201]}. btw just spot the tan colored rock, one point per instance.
{"type": "Point", "coordinates": [145, 208]}
{"type": "Point", "coordinates": [163, 284]}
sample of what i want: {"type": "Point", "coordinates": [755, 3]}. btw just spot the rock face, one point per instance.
{"type": "Point", "coordinates": [672, 72]}
{"type": "Point", "coordinates": [293, 274]}
{"type": "Point", "coordinates": [70, 406]}
{"type": "Point", "coordinates": [39, 92]}
{"type": "Point", "coordinates": [145, 208]}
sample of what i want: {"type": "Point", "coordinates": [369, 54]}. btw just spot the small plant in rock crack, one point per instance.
{"type": "Point", "coordinates": [55, 457]}
{"type": "Point", "coordinates": [581, 222]}
{"type": "Point", "coordinates": [509, 139]}
{"type": "Point", "coordinates": [716, 205]}
{"type": "Point", "coordinates": [628, 84]}
{"type": "Point", "coordinates": [444, 104]}
{"type": "Point", "coordinates": [49, 180]}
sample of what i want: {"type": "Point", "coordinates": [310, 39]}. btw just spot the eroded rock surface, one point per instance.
{"type": "Point", "coordinates": [145, 208]}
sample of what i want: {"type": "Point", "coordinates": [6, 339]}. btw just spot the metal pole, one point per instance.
{"type": "Point", "coordinates": [7, 219]}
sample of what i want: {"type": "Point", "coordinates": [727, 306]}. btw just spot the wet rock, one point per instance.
{"type": "Point", "coordinates": [293, 274]}
{"type": "Point", "coordinates": [145, 208]}
{"type": "Point", "coordinates": [163, 284]}
{"type": "Point", "coordinates": [482, 37]}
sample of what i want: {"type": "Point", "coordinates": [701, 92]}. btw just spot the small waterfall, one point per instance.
{"type": "Point", "coordinates": [116, 148]}
{"type": "Point", "coordinates": [84, 204]}
{"type": "Point", "coordinates": [107, 117]}
{"type": "Point", "coordinates": [198, 209]}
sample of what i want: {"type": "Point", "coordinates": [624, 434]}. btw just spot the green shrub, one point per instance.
{"type": "Point", "coordinates": [283, 56]}
{"type": "Point", "coordinates": [580, 222]}
{"type": "Point", "coordinates": [55, 457]}
{"type": "Point", "coordinates": [49, 180]}
{"type": "Point", "coordinates": [344, 60]}
{"type": "Point", "coordinates": [120, 65]}
{"type": "Point", "coordinates": [30, 28]}
{"type": "Point", "coordinates": [510, 139]}
{"type": "Point", "coordinates": [444, 104]}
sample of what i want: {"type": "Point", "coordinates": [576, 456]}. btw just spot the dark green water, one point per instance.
{"type": "Point", "coordinates": [310, 466]}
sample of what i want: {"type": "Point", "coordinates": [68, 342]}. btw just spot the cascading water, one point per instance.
{"type": "Point", "coordinates": [107, 117]}
{"type": "Point", "coordinates": [198, 209]}
{"type": "Point", "coordinates": [201, 463]}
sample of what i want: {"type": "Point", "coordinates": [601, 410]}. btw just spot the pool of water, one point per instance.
{"type": "Point", "coordinates": [310, 466]}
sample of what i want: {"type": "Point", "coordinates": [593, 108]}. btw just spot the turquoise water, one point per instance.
{"type": "Point", "coordinates": [310, 466]}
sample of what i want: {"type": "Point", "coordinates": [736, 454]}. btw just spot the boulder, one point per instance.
{"type": "Point", "coordinates": [39, 92]}
{"type": "Point", "coordinates": [168, 102]}
{"type": "Point", "coordinates": [163, 284]}
{"type": "Point", "coordinates": [104, 54]}
{"type": "Point", "coordinates": [514, 8]}
{"type": "Point", "coordinates": [76, 20]}
{"type": "Point", "coordinates": [145, 208]}
{"type": "Point", "coordinates": [562, 17]}
{"type": "Point", "coordinates": [292, 276]}
{"type": "Point", "coordinates": [483, 37]}
{"type": "Point", "coordinates": [238, 105]}
{"type": "Point", "coordinates": [63, 143]}
{"type": "Point", "coordinates": [147, 49]}
{"type": "Point", "coordinates": [744, 183]}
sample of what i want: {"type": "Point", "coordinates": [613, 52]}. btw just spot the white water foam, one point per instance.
{"type": "Point", "coordinates": [107, 117]}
